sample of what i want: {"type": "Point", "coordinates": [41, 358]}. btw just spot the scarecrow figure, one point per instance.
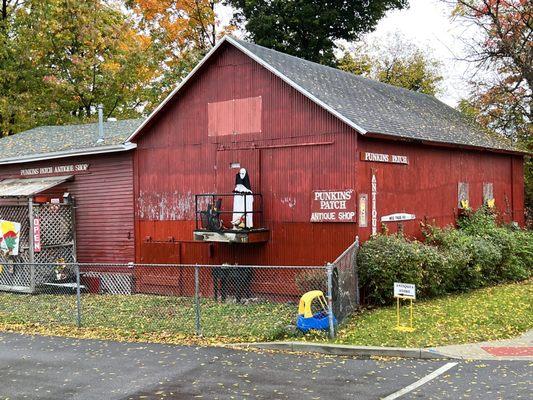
{"type": "Point", "coordinates": [243, 202]}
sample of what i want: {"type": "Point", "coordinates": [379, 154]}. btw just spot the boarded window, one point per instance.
{"type": "Point", "coordinates": [462, 197]}
{"type": "Point", "coordinates": [488, 194]}
{"type": "Point", "coordinates": [236, 116]}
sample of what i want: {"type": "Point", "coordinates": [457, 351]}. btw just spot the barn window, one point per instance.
{"type": "Point", "coordinates": [488, 194]}
{"type": "Point", "coordinates": [462, 196]}
{"type": "Point", "coordinates": [234, 117]}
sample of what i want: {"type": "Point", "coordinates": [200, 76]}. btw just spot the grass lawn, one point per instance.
{"type": "Point", "coordinates": [144, 317]}
{"type": "Point", "coordinates": [493, 313]}
{"type": "Point", "coordinates": [497, 312]}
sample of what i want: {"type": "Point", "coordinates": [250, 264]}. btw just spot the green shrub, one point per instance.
{"type": "Point", "coordinates": [384, 260]}
{"type": "Point", "coordinates": [521, 264]}
{"type": "Point", "coordinates": [478, 253]}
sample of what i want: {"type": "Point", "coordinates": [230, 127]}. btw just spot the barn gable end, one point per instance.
{"type": "Point", "coordinates": [300, 147]}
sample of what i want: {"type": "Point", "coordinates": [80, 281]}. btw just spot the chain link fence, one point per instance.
{"type": "Point", "coordinates": [346, 297]}
{"type": "Point", "coordinates": [240, 302]}
{"type": "Point", "coordinates": [39, 294]}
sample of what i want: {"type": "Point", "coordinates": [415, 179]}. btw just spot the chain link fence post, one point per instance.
{"type": "Point", "coordinates": [78, 296]}
{"type": "Point", "coordinates": [329, 270]}
{"type": "Point", "coordinates": [356, 272]}
{"type": "Point", "coordinates": [197, 300]}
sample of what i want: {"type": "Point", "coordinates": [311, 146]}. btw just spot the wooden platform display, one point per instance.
{"type": "Point", "coordinates": [233, 236]}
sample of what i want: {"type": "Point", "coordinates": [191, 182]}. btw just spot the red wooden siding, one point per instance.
{"type": "Point", "coordinates": [300, 148]}
{"type": "Point", "coordinates": [104, 205]}
{"type": "Point", "coordinates": [428, 186]}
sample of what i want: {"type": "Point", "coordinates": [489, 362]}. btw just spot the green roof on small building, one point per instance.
{"type": "Point", "coordinates": [52, 141]}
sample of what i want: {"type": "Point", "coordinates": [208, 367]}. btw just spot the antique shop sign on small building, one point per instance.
{"type": "Point", "coordinates": [333, 206]}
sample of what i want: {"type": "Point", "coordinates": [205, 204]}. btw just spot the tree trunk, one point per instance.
{"type": "Point", "coordinates": [4, 10]}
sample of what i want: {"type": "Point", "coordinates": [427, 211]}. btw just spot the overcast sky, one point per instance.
{"type": "Point", "coordinates": [427, 23]}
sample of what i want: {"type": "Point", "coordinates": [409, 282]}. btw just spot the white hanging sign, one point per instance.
{"type": "Point", "coordinates": [398, 217]}
{"type": "Point", "coordinates": [404, 290]}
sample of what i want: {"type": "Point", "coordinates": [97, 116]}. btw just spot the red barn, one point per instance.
{"type": "Point", "coordinates": [330, 155]}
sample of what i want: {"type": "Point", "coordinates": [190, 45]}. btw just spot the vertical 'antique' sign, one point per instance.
{"type": "Point", "coordinates": [374, 209]}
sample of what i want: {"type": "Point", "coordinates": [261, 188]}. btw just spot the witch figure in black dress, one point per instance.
{"type": "Point", "coordinates": [243, 201]}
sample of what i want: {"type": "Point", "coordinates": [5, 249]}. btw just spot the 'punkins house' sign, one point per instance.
{"type": "Point", "coordinates": [384, 158]}
{"type": "Point", "coordinates": [334, 206]}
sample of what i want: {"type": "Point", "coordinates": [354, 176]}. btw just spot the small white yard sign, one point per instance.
{"type": "Point", "coordinates": [404, 290]}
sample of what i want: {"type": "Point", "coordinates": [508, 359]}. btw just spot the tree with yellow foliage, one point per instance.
{"type": "Point", "coordinates": [182, 32]}
{"type": "Point", "coordinates": [67, 56]}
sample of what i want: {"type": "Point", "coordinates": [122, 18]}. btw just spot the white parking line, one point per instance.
{"type": "Point", "coordinates": [420, 382]}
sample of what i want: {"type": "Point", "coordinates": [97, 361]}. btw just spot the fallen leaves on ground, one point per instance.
{"type": "Point", "coordinates": [498, 312]}
{"type": "Point", "coordinates": [494, 313]}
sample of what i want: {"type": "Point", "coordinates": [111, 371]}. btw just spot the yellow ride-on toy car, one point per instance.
{"type": "Point", "coordinates": [313, 312]}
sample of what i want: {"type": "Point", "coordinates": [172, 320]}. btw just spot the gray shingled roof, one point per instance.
{"type": "Point", "coordinates": [60, 138]}
{"type": "Point", "coordinates": [378, 107]}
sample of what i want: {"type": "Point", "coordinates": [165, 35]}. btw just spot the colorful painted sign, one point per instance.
{"type": "Point", "coordinates": [9, 237]}
{"type": "Point", "coordinates": [36, 235]}
{"type": "Point", "coordinates": [398, 217]}
{"type": "Point", "coordinates": [384, 158]}
{"type": "Point", "coordinates": [404, 290]}
{"type": "Point", "coordinates": [333, 206]}
{"type": "Point", "coordinates": [363, 210]}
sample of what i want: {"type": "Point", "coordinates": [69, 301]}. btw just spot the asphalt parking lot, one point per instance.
{"type": "Point", "coordinates": [34, 367]}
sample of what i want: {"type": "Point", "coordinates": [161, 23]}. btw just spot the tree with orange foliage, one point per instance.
{"type": "Point", "coordinates": [61, 58]}
{"type": "Point", "coordinates": [182, 32]}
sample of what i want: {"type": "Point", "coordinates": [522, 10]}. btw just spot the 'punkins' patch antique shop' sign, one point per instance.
{"type": "Point", "coordinates": [333, 206]}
